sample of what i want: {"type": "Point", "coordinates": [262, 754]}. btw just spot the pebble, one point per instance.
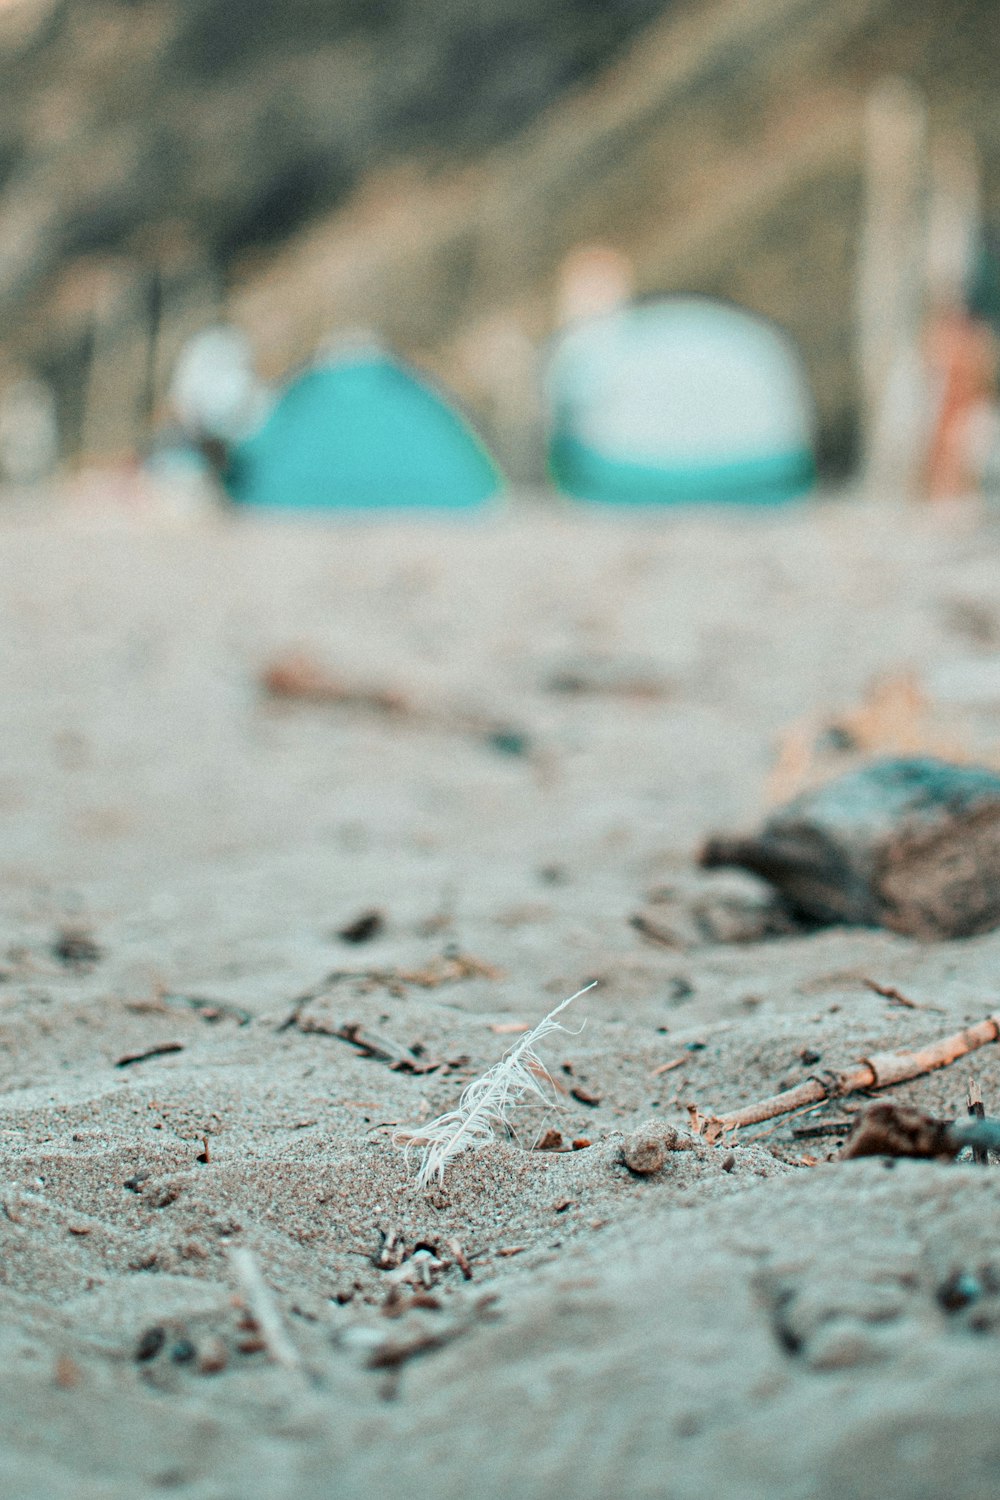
{"type": "Point", "coordinates": [646, 1149]}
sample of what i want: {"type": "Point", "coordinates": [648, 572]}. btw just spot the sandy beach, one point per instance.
{"type": "Point", "coordinates": [218, 1278]}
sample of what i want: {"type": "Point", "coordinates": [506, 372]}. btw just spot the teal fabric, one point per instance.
{"type": "Point", "coordinates": [682, 399]}
{"type": "Point", "coordinates": [361, 434]}
{"type": "Point", "coordinates": [587, 475]}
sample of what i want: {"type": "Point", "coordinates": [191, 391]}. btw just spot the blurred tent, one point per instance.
{"type": "Point", "coordinates": [682, 399]}
{"type": "Point", "coordinates": [361, 432]}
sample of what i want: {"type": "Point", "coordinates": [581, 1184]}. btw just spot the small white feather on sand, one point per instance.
{"type": "Point", "coordinates": [486, 1104]}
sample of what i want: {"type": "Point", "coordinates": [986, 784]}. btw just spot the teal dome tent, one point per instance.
{"type": "Point", "coordinates": [361, 432]}
{"type": "Point", "coordinates": [679, 400]}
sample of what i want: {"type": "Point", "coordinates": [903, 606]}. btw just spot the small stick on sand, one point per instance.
{"type": "Point", "coordinates": [974, 1098]}
{"type": "Point", "coordinates": [879, 1071]}
{"type": "Point", "coordinates": [890, 992]}
{"type": "Point", "coordinates": [261, 1306]}
{"type": "Point", "coordinates": [826, 1127]}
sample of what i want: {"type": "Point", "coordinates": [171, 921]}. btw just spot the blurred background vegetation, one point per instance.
{"type": "Point", "coordinates": [422, 168]}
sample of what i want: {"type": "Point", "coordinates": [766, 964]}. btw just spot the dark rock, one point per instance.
{"type": "Point", "coordinates": [888, 1129]}
{"type": "Point", "coordinates": [912, 845]}
{"type": "Point", "coordinates": [151, 1341]}
{"type": "Point", "coordinates": [363, 928]}
{"type": "Point", "coordinates": [958, 1291]}
{"type": "Point", "coordinates": [76, 948]}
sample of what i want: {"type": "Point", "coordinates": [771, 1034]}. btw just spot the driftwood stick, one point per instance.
{"type": "Point", "coordinates": [259, 1302]}
{"type": "Point", "coordinates": [880, 1070]}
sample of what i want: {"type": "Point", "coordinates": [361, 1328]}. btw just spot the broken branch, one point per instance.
{"type": "Point", "coordinates": [890, 992]}
{"type": "Point", "coordinates": [977, 1111]}
{"type": "Point", "coordinates": [880, 1070]}
{"type": "Point", "coordinates": [259, 1302]}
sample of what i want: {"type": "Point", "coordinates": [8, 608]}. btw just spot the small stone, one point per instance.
{"type": "Point", "coordinates": [363, 928]}
{"type": "Point", "coordinates": [842, 1344]}
{"type": "Point", "coordinates": [644, 1153]}
{"type": "Point", "coordinates": [67, 1373]}
{"type": "Point", "coordinates": [646, 1149]}
{"type": "Point", "coordinates": [213, 1356]}
{"type": "Point", "coordinates": [151, 1341]}
{"type": "Point", "coordinates": [75, 948]}
{"type": "Point", "coordinates": [959, 1290]}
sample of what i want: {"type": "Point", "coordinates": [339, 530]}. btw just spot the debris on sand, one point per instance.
{"type": "Point", "coordinates": [732, 910]}
{"type": "Point", "coordinates": [645, 1151]}
{"type": "Point", "coordinates": [450, 967]}
{"type": "Point", "coordinates": [609, 677]}
{"type": "Point", "coordinates": [373, 1044]}
{"type": "Point", "coordinates": [895, 716]}
{"type": "Point", "coordinates": [487, 1103]}
{"type": "Point", "coordinates": [363, 928]}
{"type": "Point", "coordinates": [888, 1129]}
{"type": "Point", "coordinates": [912, 845]}
{"type": "Point", "coordinates": [76, 948]}
{"type": "Point", "coordinates": [162, 1049]}
{"type": "Point", "coordinates": [297, 675]}
{"type": "Point", "coordinates": [261, 1310]}
{"type": "Point", "coordinates": [877, 1070]}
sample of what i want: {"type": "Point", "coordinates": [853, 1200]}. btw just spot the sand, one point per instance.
{"type": "Point", "coordinates": [217, 1278]}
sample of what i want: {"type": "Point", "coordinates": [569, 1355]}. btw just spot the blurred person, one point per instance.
{"type": "Point", "coordinates": [29, 432]}
{"type": "Point", "coordinates": [961, 352]}
{"type": "Point", "coordinates": [215, 393]}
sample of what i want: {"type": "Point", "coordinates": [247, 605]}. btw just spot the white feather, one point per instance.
{"type": "Point", "coordinates": [487, 1102]}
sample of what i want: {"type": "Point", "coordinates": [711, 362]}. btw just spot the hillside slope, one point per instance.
{"type": "Point", "coordinates": [423, 171]}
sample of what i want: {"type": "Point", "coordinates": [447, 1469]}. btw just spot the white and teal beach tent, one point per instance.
{"type": "Point", "coordinates": [361, 432]}
{"type": "Point", "coordinates": [682, 399]}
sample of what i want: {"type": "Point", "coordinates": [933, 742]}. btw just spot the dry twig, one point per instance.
{"type": "Point", "coordinates": [260, 1304]}
{"type": "Point", "coordinates": [890, 992]}
{"type": "Point", "coordinates": [879, 1071]}
{"type": "Point", "coordinates": [298, 675]}
{"type": "Point", "coordinates": [974, 1098]}
{"type": "Point", "coordinates": [164, 1049]}
{"type": "Point", "coordinates": [374, 1044]}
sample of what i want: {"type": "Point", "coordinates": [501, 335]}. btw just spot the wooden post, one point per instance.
{"type": "Point", "coordinates": [112, 427]}
{"type": "Point", "coordinates": [891, 273]}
